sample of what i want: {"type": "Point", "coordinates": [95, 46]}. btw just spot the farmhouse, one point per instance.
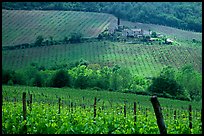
{"type": "Point", "coordinates": [169, 41]}
{"type": "Point", "coordinates": [132, 32]}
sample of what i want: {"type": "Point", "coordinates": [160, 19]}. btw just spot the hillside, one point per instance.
{"type": "Point", "coordinates": [145, 60]}
{"type": "Point", "coordinates": [182, 15]}
{"type": "Point", "coordinates": [21, 26]}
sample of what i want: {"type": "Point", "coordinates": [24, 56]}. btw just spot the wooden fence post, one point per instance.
{"type": "Point", "coordinates": [174, 114]}
{"type": "Point", "coordinates": [134, 113]}
{"type": "Point", "coordinates": [190, 118]}
{"type": "Point", "coordinates": [146, 114]}
{"type": "Point", "coordinates": [159, 116]}
{"type": "Point", "coordinates": [24, 112]}
{"type": "Point", "coordinates": [94, 107]}
{"type": "Point", "coordinates": [59, 105]}
{"type": "Point", "coordinates": [31, 100]}
{"type": "Point", "coordinates": [124, 109]}
{"type": "Point", "coordinates": [71, 106]}
{"type": "Point", "coordinates": [14, 101]}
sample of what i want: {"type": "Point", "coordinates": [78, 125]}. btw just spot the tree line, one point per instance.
{"type": "Point", "coordinates": [182, 15]}
{"type": "Point", "coordinates": [183, 84]}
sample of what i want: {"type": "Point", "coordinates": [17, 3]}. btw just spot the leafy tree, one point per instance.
{"type": "Point", "coordinates": [37, 80]}
{"type": "Point", "coordinates": [39, 40]}
{"type": "Point", "coordinates": [19, 78]}
{"type": "Point", "coordinates": [60, 79]}
{"type": "Point", "coordinates": [154, 34]}
{"type": "Point", "coordinates": [79, 76]}
{"type": "Point", "coordinates": [166, 83]}
{"type": "Point", "coordinates": [139, 84]}
{"type": "Point", "coordinates": [191, 81]}
{"type": "Point", "coordinates": [104, 81]}
{"type": "Point", "coordinates": [76, 38]}
{"type": "Point", "coordinates": [6, 76]}
{"type": "Point", "coordinates": [126, 78]}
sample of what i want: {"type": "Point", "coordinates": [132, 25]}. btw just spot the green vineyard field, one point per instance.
{"type": "Point", "coordinates": [145, 60]}
{"type": "Point", "coordinates": [78, 118]}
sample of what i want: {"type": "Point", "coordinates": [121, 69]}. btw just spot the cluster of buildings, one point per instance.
{"type": "Point", "coordinates": [134, 32]}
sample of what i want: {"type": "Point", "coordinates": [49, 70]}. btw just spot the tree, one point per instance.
{"type": "Point", "coordinates": [191, 81]}
{"type": "Point", "coordinates": [6, 76]}
{"type": "Point", "coordinates": [60, 79]}
{"type": "Point", "coordinates": [80, 76]}
{"type": "Point", "coordinates": [39, 40]}
{"type": "Point", "coordinates": [37, 80]}
{"type": "Point", "coordinates": [154, 34]}
{"type": "Point", "coordinates": [166, 83]}
{"type": "Point", "coordinates": [66, 40]}
{"type": "Point", "coordinates": [76, 38]}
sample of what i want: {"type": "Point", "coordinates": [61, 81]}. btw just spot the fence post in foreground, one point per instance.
{"type": "Point", "coordinates": [94, 107]}
{"type": "Point", "coordinates": [31, 100]}
{"type": "Point", "coordinates": [190, 118]}
{"type": "Point", "coordinates": [135, 113]}
{"type": "Point", "coordinates": [24, 112]}
{"type": "Point", "coordinates": [124, 109]}
{"type": "Point", "coordinates": [174, 114]}
{"type": "Point", "coordinates": [59, 105]}
{"type": "Point", "coordinates": [159, 116]}
{"type": "Point", "coordinates": [14, 101]}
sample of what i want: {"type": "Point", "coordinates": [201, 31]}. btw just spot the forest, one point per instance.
{"type": "Point", "coordinates": [182, 15]}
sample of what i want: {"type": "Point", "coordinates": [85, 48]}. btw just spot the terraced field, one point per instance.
{"type": "Point", "coordinates": [146, 60]}
{"type": "Point", "coordinates": [20, 26]}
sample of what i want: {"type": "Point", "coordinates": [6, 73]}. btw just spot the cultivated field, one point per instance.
{"type": "Point", "coordinates": [22, 26]}
{"type": "Point", "coordinates": [145, 60]}
{"type": "Point", "coordinates": [78, 113]}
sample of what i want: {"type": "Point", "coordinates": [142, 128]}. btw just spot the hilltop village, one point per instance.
{"type": "Point", "coordinates": [133, 35]}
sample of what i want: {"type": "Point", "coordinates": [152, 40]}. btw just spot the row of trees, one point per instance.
{"type": "Point", "coordinates": [185, 84]}
{"type": "Point", "coordinates": [42, 41]}
{"type": "Point", "coordinates": [183, 15]}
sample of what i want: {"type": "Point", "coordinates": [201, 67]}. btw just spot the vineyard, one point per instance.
{"type": "Point", "coordinates": [19, 26]}
{"type": "Point", "coordinates": [68, 111]}
{"type": "Point", "coordinates": [35, 110]}
{"type": "Point", "coordinates": [141, 59]}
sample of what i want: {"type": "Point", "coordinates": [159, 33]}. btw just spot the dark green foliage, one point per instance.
{"type": "Point", "coordinates": [166, 83]}
{"type": "Point", "coordinates": [60, 79]}
{"type": "Point", "coordinates": [191, 80]}
{"type": "Point", "coordinates": [66, 40]}
{"type": "Point", "coordinates": [39, 41]}
{"type": "Point", "coordinates": [76, 38]}
{"type": "Point", "coordinates": [81, 82]}
{"type": "Point", "coordinates": [154, 34]}
{"type": "Point", "coordinates": [18, 78]}
{"type": "Point", "coordinates": [38, 80]}
{"type": "Point", "coordinates": [6, 76]}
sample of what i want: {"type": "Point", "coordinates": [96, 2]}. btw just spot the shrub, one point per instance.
{"type": "Point", "coordinates": [166, 83]}
{"type": "Point", "coordinates": [60, 79]}
{"type": "Point", "coordinates": [6, 76]}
